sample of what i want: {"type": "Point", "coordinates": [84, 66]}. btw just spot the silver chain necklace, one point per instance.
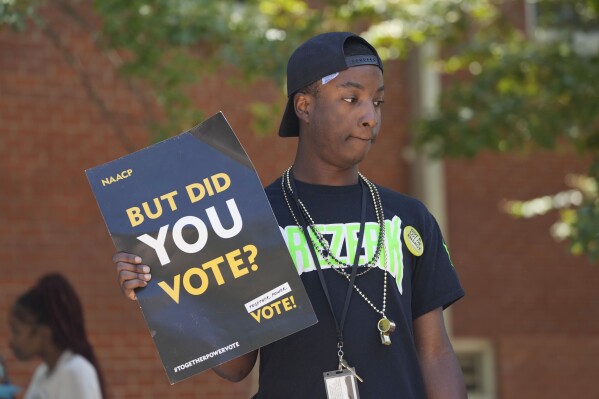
{"type": "Point", "coordinates": [321, 244]}
{"type": "Point", "coordinates": [384, 325]}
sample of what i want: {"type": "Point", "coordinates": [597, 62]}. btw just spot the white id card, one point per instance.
{"type": "Point", "coordinates": [341, 384]}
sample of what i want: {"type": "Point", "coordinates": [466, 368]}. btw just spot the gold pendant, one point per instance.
{"type": "Point", "coordinates": [385, 327]}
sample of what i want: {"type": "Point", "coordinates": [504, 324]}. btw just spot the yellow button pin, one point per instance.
{"type": "Point", "coordinates": [413, 240]}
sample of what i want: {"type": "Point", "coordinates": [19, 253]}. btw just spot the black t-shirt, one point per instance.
{"type": "Point", "coordinates": [293, 367]}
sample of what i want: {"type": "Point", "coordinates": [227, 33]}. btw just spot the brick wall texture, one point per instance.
{"type": "Point", "coordinates": [64, 108]}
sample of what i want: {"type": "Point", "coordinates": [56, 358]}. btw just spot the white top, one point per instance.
{"type": "Point", "coordinates": [73, 377]}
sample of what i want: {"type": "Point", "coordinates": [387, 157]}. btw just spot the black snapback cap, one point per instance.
{"type": "Point", "coordinates": [320, 56]}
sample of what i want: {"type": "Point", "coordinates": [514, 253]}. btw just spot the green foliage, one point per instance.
{"type": "Point", "coordinates": [523, 96]}
{"type": "Point", "coordinates": [171, 45]}
{"type": "Point", "coordinates": [583, 235]}
{"type": "Point", "coordinates": [263, 116]}
{"type": "Point", "coordinates": [579, 224]}
{"type": "Point", "coordinates": [517, 93]}
{"type": "Point", "coordinates": [15, 13]}
{"type": "Point", "coordinates": [395, 27]}
{"type": "Point", "coordinates": [578, 214]}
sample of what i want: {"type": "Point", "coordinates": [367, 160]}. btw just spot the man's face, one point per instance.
{"type": "Point", "coordinates": [344, 117]}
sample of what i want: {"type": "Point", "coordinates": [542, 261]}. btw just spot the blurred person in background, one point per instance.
{"type": "Point", "coordinates": [47, 322]}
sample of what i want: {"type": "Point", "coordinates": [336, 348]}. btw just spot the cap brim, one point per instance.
{"type": "Point", "coordinates": [289, 124]}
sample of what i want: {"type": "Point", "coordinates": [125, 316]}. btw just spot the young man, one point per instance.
{"type": "Point", "coordinates": [374, 262]}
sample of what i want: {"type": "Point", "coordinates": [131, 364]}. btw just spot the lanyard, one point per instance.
{"type": "Point", "coordinates": [302, 220]}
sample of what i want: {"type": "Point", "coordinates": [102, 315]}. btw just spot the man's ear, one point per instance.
{"type": "Point", "coordinates": [302, 103]}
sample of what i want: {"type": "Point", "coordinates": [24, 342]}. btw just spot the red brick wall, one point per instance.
{"type": "Point", "coordinates": [534, 301]}
{"type": "Point", "coordinates": [64, 109]}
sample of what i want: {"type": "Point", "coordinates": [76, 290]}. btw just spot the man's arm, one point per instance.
{"type": "Point", "coordinates": [442, 373]}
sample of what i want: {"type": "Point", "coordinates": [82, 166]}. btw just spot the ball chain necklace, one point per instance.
{"type": "Point", "coordinates": [322, 244]}
{"type": "Point", "coordinates": [384, 325]}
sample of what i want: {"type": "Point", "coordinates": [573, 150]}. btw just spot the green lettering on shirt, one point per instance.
{"type": "Point", "coordinates": [346, 234]}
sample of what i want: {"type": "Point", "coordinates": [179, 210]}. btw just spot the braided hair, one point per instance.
{"type": "Point", "coordinates": [53, 302]}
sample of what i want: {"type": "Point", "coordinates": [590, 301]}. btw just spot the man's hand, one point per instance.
{"type": "Point", "coordinates": [131, 273]}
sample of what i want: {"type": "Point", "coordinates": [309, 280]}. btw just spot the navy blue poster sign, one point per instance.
{"type": "Point", "coordinates": [223, 283]}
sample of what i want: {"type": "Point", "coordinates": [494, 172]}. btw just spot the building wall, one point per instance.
{"type": "Point", "coordinates": [534, 302]}
{"type": "Point", "coordinates": [63, 109]}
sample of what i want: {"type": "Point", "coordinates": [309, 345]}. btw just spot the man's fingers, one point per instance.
{"type": "Point", "coordinates": [128, 289]}
{"type": "Point", "coordinates": [125, 257]}
{"type": "Point", "coordinates": [131, 273]}
{"type": "Point", "coordinates": [128, 281]}
{"type": "Point", "coordinates": [130, 285]}
{"type": "Point", "coordinates": [131, 295]}
{"type": "Point", "coordinates": [127, 275]}
{"type": "Point", "coordinates": [128, 267]}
